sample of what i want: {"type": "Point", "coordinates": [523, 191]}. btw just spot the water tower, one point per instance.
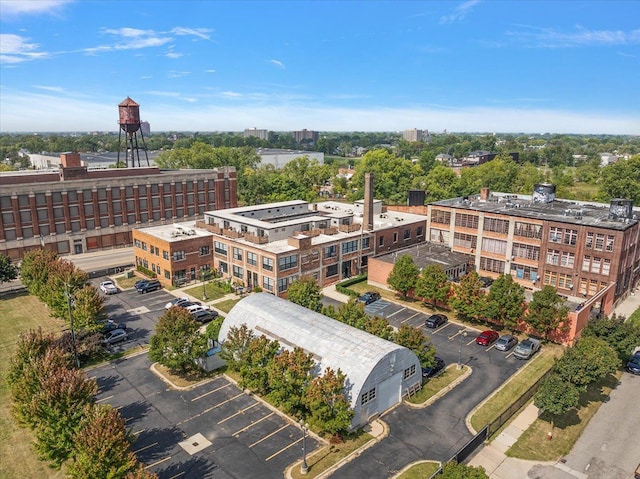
{"type": "Point", "coordinates": [129, 121]}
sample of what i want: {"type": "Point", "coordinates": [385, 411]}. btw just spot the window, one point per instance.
{"type": "Point", "coordinates": [381, 241]}
{"type": "Point", "coordinates": [467, 221]}
{"type": "Point", "coordinates": [223, 267]}
{"type": "Point", "coordinates": [220, 248]}
{"type": "Point", "coordinates": [586, 261]}
{"type": "Point", "coordinates": [267, 263]}
{"type": "Point", "coordinates": [595, 265]}
{"type": "Point", "coordinates": [553, 256]}
{"type": "Point", "coordinates": [419, 231]}
{"type": "Point", "coordinates": [282, 285]}
{"type": "Point", "coordinates": [407, 234]}
{"type": "Point", "coordinates": [555, 235]}
{"type": "Point", "coordinates": [365, 242]}
{"type": "Point", "coordinates": [237, 254]}
{"type": "Point", "coordinates": [409, 372]}
{"type": "Point", "coordinates": [167, 274]}
{"type": "Point", "coordinates": [496, 225]}
{"type": "Point", "coordinates": [267, 283]}
{"type": "Point", "coordinates": [589, 241]}
{"type": "Point", "coordinates": [165, 254]}
{"type": "Point", "coordinates": [441, 217]}
{"type": "Point", "coordinates": [395, 236]}
{"type": "Point", "coordinates": [179, 255]}
{"type": "Point", "coordinates": [550, 278]}
{"type": "Point", "coordinates": [349, 246]}
{"type": "Point", "coordinates": [565, 281]}
{"type": "Point", "coordinates": [599, 242]}
{"type": "Point", "coordinates": [527, 230]}
{"type": "Point", "coordinates": [606, 267]}
{"type": "Point", "coordinates": [524, 272]}
{"type": "Point", "coordinates": [491, 245]}
{"type": "Point", "coordinates": [465, 240]}
{"type": "Point", "coordinates": [493, 265]}
{"type": "Point", "coordinates": [330, 251]}
{"type": "Point", "coordinates": [570, 237]}
{"type": "Point", "coordinates": [238, 272]}
{"type": "Point", "coordinates": [288, 262]}
{"type": "Point", "coordinates": [332, 270]}
{"type": "Point", "coordinates": [368, 396]}
{"type": "Point", "coordinates": [526, 251]}
{"type": "Point", "coordinates": [144, 246]}
{"type": "Point", "coordinates": [439, 236]}
{"type": "Point", "coordinates": [136, 243]}
{"type": "Point", "coordinates": [205, 250]}
{"type": "Point", "coordinates": [252, 259]}
{"type": "Point", "coordinates": [567, 260]}
{"type": "Point", "coordinates": [609, 246]}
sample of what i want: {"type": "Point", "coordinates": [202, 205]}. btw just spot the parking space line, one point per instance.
{"type": "Point", "coordinates": [210, 409]}
{"type": "Point", "coordinates": [511, 353]}
{"type": "Point", "coordinates": [445, 325]}
{"type": "Point", "coordinates": [252, 424]}
{"type": "Point", "coordinates": [211, 392]}
{"type": "Point", "coordinates": [490, 347]}
{"type": "Point", "coordinates": [267, 437]}
{"type": "Point", "coordinates": [282, 450]}
{"type": "Point", "coordinates": [178, 475]}
{"type": "Point", "coordinates": [393, 314]}
{"type": "Point", "coordinates": [471, 342]}
{"type": "Point", "coordinates": [104, 399]}
{"type": "Point", "coordinates": [239, 412]}
{"type": "Point", "coordinates": [410, 317]}
{"type": "Point", "coordinates": [457, 334]}
{"type": "Point", "coordinates": [145, 447]}
{"type": "Point", "coordinates": [159, 462]}
{"type": "Point", "coordinates": [138, 432]}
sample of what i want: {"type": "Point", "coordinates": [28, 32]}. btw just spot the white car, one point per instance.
{"type": "Point", "coordinates": [198, 307]}
{"type": "Point", "coordinates": [176, 302]}
{"type": "Point", "coordinates": [107, 287]}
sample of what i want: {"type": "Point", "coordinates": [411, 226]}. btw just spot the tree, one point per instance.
{"type": "Point", "coordinates": [34, 269]}
{"type": "Point", "coordinates": [328, 402]}
{"type": "Point", "coordinates": [63, 279]}
{"type": "Point", "coordinates": [454, 470]}
{"type": "Point", "coordinates": [379, 327]}
{"type": "Point", "coordinates": [621, 180]}
{"type": "Point", "coordinates": [254, 361]}
{"type": "Point", "coordinates": [353, 314]}
{"type": "Point", "coordinates": [555, 396]}
{"type": "Point", "coordinates": [621, 336]}
{"type": "Point", "coordinates": [102, 446]}
{"type": "Point", "coordinates": [177, 342]}
{"type": "Point", "coordinates": [546, 311]}
{"type": "Point", "coordinates": [289, 373]}
{"type": "Point", "coordinates": [88, 308]}
{"type": "Point", "coordinates": [418, 342]}
{"type": "Point", "coordinates": [141, 472]}
{"type": "Point", "coordinates": [506, 301]}
{"type": "Point", "coordinates": [588, 361]}
{"type": "Point", "coordinates": [8, 270]}
{"type": "Point", "coordinates": [433, 285]}
{"type": "Point", "coordinates": [469, 299]}
{"type": "Point", "coordinates": [234, 346]}
{"type": "Point", "coordinates": [306, 292]}
{"type": "Point", "coordinates": [404, 275]}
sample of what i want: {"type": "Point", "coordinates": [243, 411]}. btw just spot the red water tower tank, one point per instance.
{"type": "Point", "coordinates": [129, 115]}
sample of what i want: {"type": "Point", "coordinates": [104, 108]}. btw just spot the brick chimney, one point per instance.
{"type": "Point", "coordinates": [367, 219]}
{"type": "Point", "coordinates": [484, 194]}
{"type": "Point", "coordinates": [70, 160]}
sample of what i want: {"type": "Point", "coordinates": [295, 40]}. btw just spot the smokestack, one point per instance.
{"type": "Point", "coordinates": [484, 194]}
{"type": "Point", "coordinates": [368, 201]}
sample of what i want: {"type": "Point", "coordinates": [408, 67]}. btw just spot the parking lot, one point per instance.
{"type": "Point", "coordinates": [213, 430]}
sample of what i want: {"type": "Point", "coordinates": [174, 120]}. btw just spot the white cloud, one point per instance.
{"type": "Point", "coordinates": [459, 12]}
{"type": "Point", "coordinates": [580, 37]}
{"type": "Point", "coordinates": [173, 55]}
{"type": "Point", "coordinates": [176, 74]}
{"type": "Point", "coordinates": [209, 71]}
{"type": "Point", "coordinates": [57, 89]}
{"type": "Point", "coordinates": [16, 49]}
{"type": "Point", "coordinates": [278, 63]}
{"type": "Point", "coordinates": [196, 32]}
{"type": "Point", "coordinates": [18, 7]}
{"type": "Point", "coordinates": [231, 94]}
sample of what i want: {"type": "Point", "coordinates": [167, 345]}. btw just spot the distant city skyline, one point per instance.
{"type": "Point", "coordinates": [470, 66]}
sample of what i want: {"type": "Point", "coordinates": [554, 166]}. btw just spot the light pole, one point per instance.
{"type": "Point", "coordinates": [73, 331]}
{"type": "Point", "coordinates": [304, 468]}
{"type": "Point", "coordinates": [462, 335]}
{"type": "Point", "coordinates": [204, 287]}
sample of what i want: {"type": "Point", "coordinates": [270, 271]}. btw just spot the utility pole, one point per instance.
{"type": "Point", "coordinates": [73, 331]}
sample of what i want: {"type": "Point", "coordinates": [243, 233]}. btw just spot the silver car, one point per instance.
{"type": "Point", "coordinates": [115, 336]}
{"type": "Point", "coordinates": [506, 342]}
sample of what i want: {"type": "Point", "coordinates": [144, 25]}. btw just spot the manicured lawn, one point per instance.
{"type": "Point", "coordinates": [422, 470]}
{"type": "Point", "coordinates": [534, 444]}
{"type": "Point", "coordinates": [435, 385]}
{"type": "Point", "coordinates": [212, 292]}
{"type": "Point", "coordinates": [635, 318]}
{"type": "Point", "coordinates": [17, 458]}
{"type": "Point", "coordinates": [227, 304]}
{"type": "Point", "coordinates": [537, 366]}
{"type": "Point", "coordinates": [363, 287]}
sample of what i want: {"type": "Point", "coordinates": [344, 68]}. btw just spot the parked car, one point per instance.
{"type": "Point", "coordinates": [192, 308]}
{"type": "Point", "coordinates": [506, 342]}
{"type": "Point", "coordinates": [527, 348]}
{"type": "Point", "coordinates": [435, 321]}
{"type": "Point", "coordinates": [435, 369]}
{"type": "Point", "coordinates": [115, 336]}
{"type": "Point", "coordinates": [139, 282]}
{"type": "Point", "coordinates": [369, 297]}
{"type": "Point", "coordinates": [486, 282]}
{"type": "Point", "coordinates": [108, 287]}
{"type": "Point", "coordinates": [205, 315]}
{"type": "Point", "coordinates": [110, 325]}
{"type": "Point", "coordinates": [487, 338]}
{"type": "Point", "coordinates": [633, 366]}
{"type": "Point", "coordinates": [176, 302]}
{"type": "Point", "coordinates": [148, 285]}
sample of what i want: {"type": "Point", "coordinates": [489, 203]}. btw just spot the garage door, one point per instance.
{"type": "Point", "coordinates": [389, 392]}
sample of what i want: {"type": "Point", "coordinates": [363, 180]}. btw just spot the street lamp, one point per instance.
{"type": "Point", "coordinates": [73, 331]}
{"type": "Point", "coordinates": [460, 336]}
{"type": "Point", "coordinates": [204, 288]}
{"type": "Point", "coordinates": [304, 468]}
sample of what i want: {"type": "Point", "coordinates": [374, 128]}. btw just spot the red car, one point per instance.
{"type": "Point", "coordinates": [485, 338]}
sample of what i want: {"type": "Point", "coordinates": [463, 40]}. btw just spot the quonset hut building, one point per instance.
{"type": "Point", "coordinates": [378, 372]}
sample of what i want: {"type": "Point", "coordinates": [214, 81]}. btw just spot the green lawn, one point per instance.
{"type": "Point", "coordinates": [17, 459]}
{"type": "Point", "coordinates": [635, 318]}
{"type": "Point", "coordinates": [212, 292]}
{"type": "Point", "coordinates": [422, 470]}
{"type": "Point", "coordinates": [226, 305]}
{"type": "Point", "coordinates": [434, 385]}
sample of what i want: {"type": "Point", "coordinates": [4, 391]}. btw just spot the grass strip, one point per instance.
{"type": "Point", "coordinates": [422, 470]}
{"type": "Point", "coordinates": [435, 385]}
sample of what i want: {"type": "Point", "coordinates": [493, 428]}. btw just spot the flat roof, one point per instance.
{"type": "Point", "coordinates": [582, 213]}
{"type": "Point", "coordinates": [176, 231]}
{"type": "Point", "coordinates": [424, 254]}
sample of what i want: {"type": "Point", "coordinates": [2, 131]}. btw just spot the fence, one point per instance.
{"type": "Point", "coordinates": [494, 425]}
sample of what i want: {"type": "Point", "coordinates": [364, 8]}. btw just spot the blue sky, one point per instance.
{"type": "Point", "coordinates": [477, 66]}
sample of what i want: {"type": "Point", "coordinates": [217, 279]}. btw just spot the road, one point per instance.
{"type": "Point", "coordinates": [102, 260]}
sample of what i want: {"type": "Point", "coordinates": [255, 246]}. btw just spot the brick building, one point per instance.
{"type": "Point", "coordinates": [77, 209]}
